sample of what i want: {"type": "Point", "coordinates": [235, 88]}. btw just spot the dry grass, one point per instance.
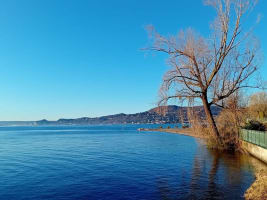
{"type": "Point", "coordinates": [181, 131]}
{"type": "Point", "coordinates": [258, 190]}
{"type": "Point", "coordinates": [228, 123]}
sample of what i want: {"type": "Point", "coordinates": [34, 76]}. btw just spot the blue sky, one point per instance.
{"type": "Point", "coordinates": [68, 58]}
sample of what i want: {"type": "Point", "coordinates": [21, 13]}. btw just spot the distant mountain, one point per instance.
{"type": "Point", "coordinates": [159, 115]}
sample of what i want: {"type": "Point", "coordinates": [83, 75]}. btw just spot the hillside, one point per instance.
{"type": "Point", "coordinates": [159, 115]}
{"type": "Point", "coordinates": [156, 116]}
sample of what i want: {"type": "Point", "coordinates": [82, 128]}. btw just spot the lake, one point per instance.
{"type": "Point", "coordinates": [116, 162]}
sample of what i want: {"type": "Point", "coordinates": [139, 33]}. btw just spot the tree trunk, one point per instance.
{"type": "Point", "coordinates": [210, 118]}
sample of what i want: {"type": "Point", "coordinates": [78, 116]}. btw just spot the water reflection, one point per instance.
{"type": "Point", "coordinates": [101, 164]}
{"type": "Point", "coordinates": [214, 175]}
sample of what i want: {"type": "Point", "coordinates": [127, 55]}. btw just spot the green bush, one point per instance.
{"type": "Point", "coordinates": [254, 125]}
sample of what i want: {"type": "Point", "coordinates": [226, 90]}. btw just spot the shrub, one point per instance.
{"type": "Point", "coordinates": [228, 123]}
{"type": "Point", "coordinates": [258, 105]}
{"type": "Point", "coordinates": [254, 125]}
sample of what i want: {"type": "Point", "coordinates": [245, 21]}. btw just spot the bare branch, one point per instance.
{"type": "Point", "coordinates": [211, 69]}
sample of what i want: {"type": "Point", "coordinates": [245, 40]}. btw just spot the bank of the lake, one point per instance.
{"type": "Point", "coordinates": [181, 131]}
{"type": "Point", "coordinates": [257, 191]}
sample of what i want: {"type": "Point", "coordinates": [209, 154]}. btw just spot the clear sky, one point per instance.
{"type": "Point", "coordinates": [75, 58]}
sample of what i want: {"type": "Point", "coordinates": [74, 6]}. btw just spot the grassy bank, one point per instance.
{"type": "Point", "coordinates": [258, 190]}
{"type": "Point", "coordinates": [181, 131]}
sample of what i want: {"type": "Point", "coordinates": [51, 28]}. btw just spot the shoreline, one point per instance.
{"type": "Point", "coordinates": [256, 191]}
{"type": "Point", "coordinates": [181, 131]}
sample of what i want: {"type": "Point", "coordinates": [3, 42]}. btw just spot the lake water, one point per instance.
{"type": "Point", "coordinates": [115, 162]}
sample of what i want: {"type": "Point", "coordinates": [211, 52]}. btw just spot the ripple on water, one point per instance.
{"type": "Point", "coordinates": [115, 162]}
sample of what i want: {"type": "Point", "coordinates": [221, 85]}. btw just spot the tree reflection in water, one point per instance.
{"type": "Point", "coordinates": [214, 175]}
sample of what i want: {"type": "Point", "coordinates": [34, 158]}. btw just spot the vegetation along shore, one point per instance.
{"type": "Point", "coordinates": [181, 131]}
{"type": "Point", "coordinates": [257, 191]}
{"type": "Point", "coordinates": [218, 71]}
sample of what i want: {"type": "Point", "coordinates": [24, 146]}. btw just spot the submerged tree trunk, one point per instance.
{"type": "Point", "coordinates": [210, 118]}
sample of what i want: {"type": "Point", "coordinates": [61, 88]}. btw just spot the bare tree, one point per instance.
{"type": "Point", "coordinates": [213, 68]}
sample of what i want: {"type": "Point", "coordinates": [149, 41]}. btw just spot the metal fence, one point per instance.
{"type": "Point", "coordinates": [255, 137]}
